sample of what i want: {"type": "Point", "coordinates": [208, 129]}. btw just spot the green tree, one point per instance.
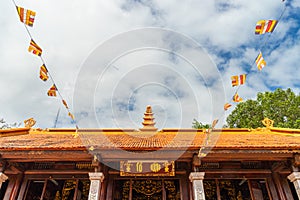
{"type": "Point", "coordinates": [199, 125]}
{"type": "Point", "coordinates": [5, 125]}
{"type": "Point", "coordinates": [282, 106]}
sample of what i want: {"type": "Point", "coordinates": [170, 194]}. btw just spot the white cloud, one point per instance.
{"type": "Point", "coordinates": [69, 31]}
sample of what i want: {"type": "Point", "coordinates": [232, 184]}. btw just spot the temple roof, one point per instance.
{"type": "Point", "coordinates": [148, 138]}
{"type": "Point", "coordinates": [261, 138]}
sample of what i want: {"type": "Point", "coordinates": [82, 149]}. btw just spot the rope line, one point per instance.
{"type": "Point", "coordinates": [48, 73]}
{"type": "Point", "coordinates": [203, 150]}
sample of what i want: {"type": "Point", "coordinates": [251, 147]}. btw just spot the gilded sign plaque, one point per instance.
{"type": "Point", "coordinates": [147, 168]}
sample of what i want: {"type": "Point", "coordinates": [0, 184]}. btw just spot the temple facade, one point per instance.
{"type": "Point", "coordinates": [150, 164]}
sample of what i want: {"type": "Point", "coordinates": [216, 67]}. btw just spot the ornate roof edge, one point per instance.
{"type": "Point", "coordinates": [14, 131]}
{"type": "Point", "coordinates": [27, 130]}
{"type": "Point", "coordinates": [285, 130]}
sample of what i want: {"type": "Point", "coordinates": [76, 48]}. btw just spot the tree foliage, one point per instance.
{"type": "Point", "coordinates": [199, 125]}
{"type": "Point", "coordinates": [5, 125]}
{"type": "Point", "coordinates": [282, 106]}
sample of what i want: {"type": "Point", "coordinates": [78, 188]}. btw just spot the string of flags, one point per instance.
{"type": "Point", "coordinates": [44, 73]}
{"type": "Point", "coordinates": [238, 80]}
{"type": "Point", "coordinates": [265, 26]}
{"type": "Point", "coordinates": [52, 91]}
{"type": "Point", "coordinates": [236, 98]}
{"type": "Point", "coordinates": [262, 27]}
{"type": "Point", "coordinates": [260, 62]}
{"type": "Point", "coordinates": [34, 48]}
{"type": "Point", "coordinates": [27, 18]}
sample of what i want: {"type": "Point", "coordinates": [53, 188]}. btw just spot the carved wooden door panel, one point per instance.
{"type": "Point", "coordinates": [148, 189]}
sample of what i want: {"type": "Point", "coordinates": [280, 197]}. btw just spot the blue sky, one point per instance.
{"type": "Point", "coordinates": [72, 34]}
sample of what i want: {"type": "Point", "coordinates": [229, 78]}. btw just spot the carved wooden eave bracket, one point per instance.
{"type": "Point", "coordinates": [296, 160]}
{"type": "Point", "coordinates": [14, 167]}
{"type": "Point", "coordinates": [3, 164]}
{"type": "Point", "coordinates": [96, 163]}
{"type": "Point", "coordinates": [279, 166]}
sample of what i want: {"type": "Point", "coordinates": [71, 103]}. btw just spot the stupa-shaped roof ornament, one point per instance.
{"type": "Point", "coordinates": [148, 122]}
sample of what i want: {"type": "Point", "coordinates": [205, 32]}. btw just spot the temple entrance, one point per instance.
{"type": "Point", "coordinates": [57, 189]}
{"type": "Point", "coordinates": [236, 189]}
{"type": "Point", "coordinates": [146, 189]}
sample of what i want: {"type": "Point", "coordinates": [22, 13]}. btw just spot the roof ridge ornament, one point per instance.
{"type": "Point", "coordinates": [148, 122]}
{"type": "Point", "coordinates": [29, 122]}
{"type": "Point", "coordinates": [268, 123]}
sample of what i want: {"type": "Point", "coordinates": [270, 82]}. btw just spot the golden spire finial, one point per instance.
{"type": "Point", "coordinates": [148, 122]}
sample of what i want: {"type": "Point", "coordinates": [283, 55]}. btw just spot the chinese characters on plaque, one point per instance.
{"type": "Point", "coordinates": [147, 168]}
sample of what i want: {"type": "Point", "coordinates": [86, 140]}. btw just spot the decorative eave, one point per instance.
{"type": "Point", "coordinates": [14, 131]}
{"type": "Point", "coordinates": [149, 139]}
{"type": "Point", "coordinates": [170, 138]}
{"type": "Point", "coordinates": [294, 132]}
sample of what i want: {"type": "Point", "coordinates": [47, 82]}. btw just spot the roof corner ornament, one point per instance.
{"type": "Point", "coordinates": [29, 122]}
{"type": "Point", "coordinates": [268, 123]}
{"type": "Point", "coordinates": [75, 134]}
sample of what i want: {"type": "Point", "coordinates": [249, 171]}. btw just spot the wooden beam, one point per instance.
{"type": "Point", "coordinates": [52, 172]}
{"type": "Point", "coordinates": [44, 156]}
